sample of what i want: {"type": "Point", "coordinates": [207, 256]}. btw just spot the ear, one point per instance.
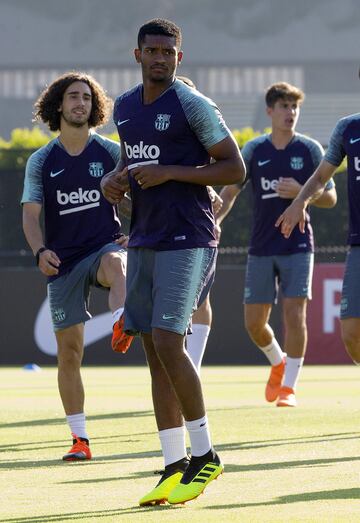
{"type": "Point", "coordinates": [137, 54]}
{"type": "Point", "coordinates": [269, 111]}
{"type": "Point", "coordinates": [180, 56]}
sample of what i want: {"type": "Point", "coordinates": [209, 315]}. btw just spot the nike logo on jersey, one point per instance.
{"type": "Point", "coordinates": [120, 122]}
{"type": "Point", "coordinates": [354, 140]}
{"type": "Point", "coordinates": [52, 175]}
{"type": "Point", "coordinates": [261, 163]}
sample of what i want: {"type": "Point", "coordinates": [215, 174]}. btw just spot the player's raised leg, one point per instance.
{"type": "Point", "coordinates": [112, 274]}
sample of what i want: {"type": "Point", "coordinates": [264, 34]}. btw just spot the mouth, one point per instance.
{"type": "Point", "coordinates": [158, 68]}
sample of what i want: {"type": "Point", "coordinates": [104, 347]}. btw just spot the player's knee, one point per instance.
{"type": "Point", "coordinates": [351, 339]}
{"type": "Point", "coordinates": [70, 354]}
{"type": "Point", "coordinates": [253, 326]}
{"type": "Point", "coordinates": [112, 267]}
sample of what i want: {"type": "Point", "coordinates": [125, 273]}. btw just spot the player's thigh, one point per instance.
{"type": "Point", "coordinates": [295, 274]}
{"type": "Point", "coordinates": [110, 264]}
{"type": "Point", "coordinates": [68, 297]}
{"type": "Point", "coordinates": [139, 290]}
{"type": "Point", "coordinates": [260, 280]}
{"type": "Point", "coordinates": [204, 313]}
{"type": "Point", "coordinates": [350, 295]}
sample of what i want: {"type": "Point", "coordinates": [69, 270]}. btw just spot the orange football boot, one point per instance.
{"type": "Point", "coordinates": [79, 451]}
{"type": "Point", "coordinates": [120, 341]}
{"type": "Point", "coordinates": [273, 385]}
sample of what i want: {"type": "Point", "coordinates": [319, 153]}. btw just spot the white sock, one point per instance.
{"type": "Point", "coordinates": [76, 423]}
{"type": "Point", "coordinates": [292, 371]}
{"type": "Point", "coordinates": [116, 314]}
{"type": "Point", "coordinates": [196, 343]}
{"type": "Point", "coordinates": [173, 444]}
{"type": "Point", "coordinates": [273, 352]}
{"type": "Point", "coordinates": [199, 433]}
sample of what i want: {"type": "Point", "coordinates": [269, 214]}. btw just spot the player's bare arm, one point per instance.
{"type": "Point", "coordinates": [48, 260]}
{"type": "Point", "coordinates": [229, 193]}
{"type": "Point", "coordinates": [289, 188]}
{"type": "Point", "coordinates": [215, 198]}
{"type": "Point", "coordinates": [295, 213]}
{"type": "Point", "coordinates": [227, 169]}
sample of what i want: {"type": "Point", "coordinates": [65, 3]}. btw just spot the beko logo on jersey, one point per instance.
{"type": "Point", "coordinates": [141, 150]}
{"type": "Point", "coordinates": [269, 185]}
{"type": "Point", "coordinates": [87, 199]}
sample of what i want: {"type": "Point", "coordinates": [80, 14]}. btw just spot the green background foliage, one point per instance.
{"type": "Point", "coordinates": [330, 225]}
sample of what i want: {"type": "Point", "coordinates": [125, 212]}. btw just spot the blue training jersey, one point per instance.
{"type": "Point", "coordinates": [265, 165]}
{"type": "Point", "coordinates": [78, 220]}
{"type": "Point", "coordinates": [345, 141]}
{"type": "Point", "coordinates": [178, 128]}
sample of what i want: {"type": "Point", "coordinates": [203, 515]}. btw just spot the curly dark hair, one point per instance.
{"type": "Point", "coordinates": [159, 26]}
{"type": "Point", "coordinates": [48, 103]}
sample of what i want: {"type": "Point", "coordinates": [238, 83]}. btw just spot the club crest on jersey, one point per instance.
{"type": "Point", "coordinates": [296, 162]}
{"type": "Point", "coordinates": [96, 169]}
{"type": "Point", "coordinates": [162, 122]}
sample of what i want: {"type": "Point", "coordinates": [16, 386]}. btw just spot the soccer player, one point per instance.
{"type": "Point", "coordinates": [169, 132]}
{"type": "Point", "coordinates": [344, 141]}
{"type": "Point", "coordinates": [278, 164]}
{"type": "Point", "coordinates": [83, 245]}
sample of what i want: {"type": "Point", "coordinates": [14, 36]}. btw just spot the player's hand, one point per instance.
{"type": "Point", "coordinates": [294, 214]}
{"type": "Point", "coordinates": [49, 263]}
{"type": "Point", "coordinates": [288, 188]}
{"type": "Point", "coordinates": [217, 230]}
{"type": "Point", "coordinates": [114, 185]}
{"type": "Point", "coordinates": [216, 200]}
{"type": "Point", "coordinates": [150, 175]}
{"type": "Point", "coordinates": [123, 241]}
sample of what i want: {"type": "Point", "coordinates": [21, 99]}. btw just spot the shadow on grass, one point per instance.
{"type": "Point", "coordinates": [289, 464]}
{"type": "Point", "coordinates": [96, 417]}
{"type": "Point", "coordinates": [74, 516]}
{"type": "Point", "coordinates": [30, 446]}
{"type": "Point", "coordinates": [227, 447]}
{"type": "Point", "coordinates": [351, 493]}
{"type": "Point", "coordinates": [98, 460]}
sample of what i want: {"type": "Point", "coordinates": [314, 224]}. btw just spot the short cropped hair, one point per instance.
{"type": "Point", "coordinates": [160, 26]}
{"type": "Point", "coordinates": [283, 91]}
{"type": "Point", "coordinates": [48, 103]}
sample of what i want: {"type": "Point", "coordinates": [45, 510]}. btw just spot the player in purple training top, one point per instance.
{"type": "Point", "coordinates": [344, 141]}
{"type": "Point", "coordinates": [168, 133]}
{"type": "Point", "coordinates": [278, 165]}
{"type": "Point", "coordinates": [83, 245]}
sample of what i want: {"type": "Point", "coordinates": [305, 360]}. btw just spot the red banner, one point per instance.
{"type": "Point", "coordinates": [325, 345]}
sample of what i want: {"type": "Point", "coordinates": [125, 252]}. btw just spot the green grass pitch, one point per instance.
{"type": "Point", "coordinates": [281, 465]}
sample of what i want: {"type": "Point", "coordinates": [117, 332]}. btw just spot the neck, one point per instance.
{"type": "Point", "coordinates": [152, 90]}
{"type": "Point", "coordinates": [74, 139]}
{"type": "Point", "coordinates": [280, 139]}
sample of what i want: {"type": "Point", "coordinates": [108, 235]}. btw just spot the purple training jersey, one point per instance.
{"type": "Point", "coordinates": [178, 128]}
{"type": "Point", "coordinates": [265, 165]}
{"type": "Point", "coordinates": [78, 219]}
{"type": "Point", "coordinates": [345, 141]}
